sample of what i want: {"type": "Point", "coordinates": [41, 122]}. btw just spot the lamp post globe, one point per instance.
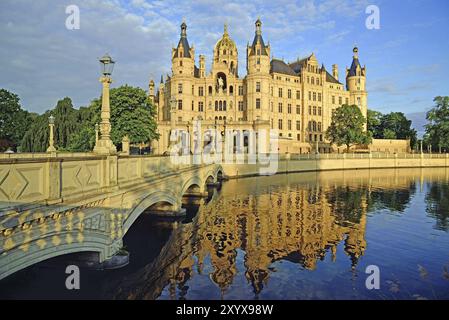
{"type": "Point", "coordinates": [107, 65]}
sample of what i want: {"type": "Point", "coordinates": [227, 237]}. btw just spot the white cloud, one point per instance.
{"type": "Point", "coordinates": [42, 61]}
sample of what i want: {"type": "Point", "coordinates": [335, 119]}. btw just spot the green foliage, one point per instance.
{"type": "Point", "coordinates": [14, 121]}
{"type": "Point", "coordinates": [394, 125]}
{"type": "Point", "coordinates": [66, 125]}
{"type": "Point", "coordinates": [437, 129]}
{"type": "Point", "coordinates": [132, 114]}
{"type": "Point", "coordinates": [347, 127]}
{"type": "Point", "coordinates": [374, 119]}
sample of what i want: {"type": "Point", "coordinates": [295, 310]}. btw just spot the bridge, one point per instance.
{"type": "Point", "coordinates": [55, 204]}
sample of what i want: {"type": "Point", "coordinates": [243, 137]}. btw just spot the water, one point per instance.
{"type": "Point", "coordinates": [296, 236]}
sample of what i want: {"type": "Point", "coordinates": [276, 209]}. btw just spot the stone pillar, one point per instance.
{"type": "Point", "coordinates": [125, 145]}
{"type": "Point", "coordinates": [51, 124]}
{"type": "Point", "coordinates": [105, 145]}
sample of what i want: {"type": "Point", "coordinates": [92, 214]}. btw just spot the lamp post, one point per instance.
{"type": "Point", "coordinates": [51, 124]}
{"type": "Point", "coordinates": [104, 145]}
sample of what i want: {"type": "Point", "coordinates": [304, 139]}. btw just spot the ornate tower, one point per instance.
{"type": "Point", "coordinates": [226, 54]}
{"type": "Point", "coordinates": [258, 78]}
{"type": "Point", "coordinates": [183, 56]}
{"type": "Point", "coordinates": [356, 83]}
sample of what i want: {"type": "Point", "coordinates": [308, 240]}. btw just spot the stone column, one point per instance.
{"type": "Point", "coordinates": [105, 145]}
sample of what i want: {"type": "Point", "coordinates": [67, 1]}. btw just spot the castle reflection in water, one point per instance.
{"type": "Point", "coordinates": [300, 218]}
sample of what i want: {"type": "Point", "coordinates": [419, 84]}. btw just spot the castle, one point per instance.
{"type": "Point", "coordinates": [296, 98]}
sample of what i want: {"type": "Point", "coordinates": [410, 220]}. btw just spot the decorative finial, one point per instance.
{"type": "Point", "coordinates": [225, 28]}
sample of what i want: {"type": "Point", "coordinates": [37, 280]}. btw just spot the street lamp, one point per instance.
{"type": "Point", "coordinates": [104, 145]}
{"type": "Point", "coordinates": [51, 124]}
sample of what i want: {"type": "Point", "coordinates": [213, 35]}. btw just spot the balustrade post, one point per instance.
{"type": "Point", "coordinates": [54, 180]}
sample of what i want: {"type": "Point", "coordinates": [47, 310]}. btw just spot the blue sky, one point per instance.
{"type": "Point", "coordinates": [407, 59]}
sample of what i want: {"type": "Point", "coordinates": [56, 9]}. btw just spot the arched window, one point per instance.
{"type": "Point", "coordinates": [219, 118]}
{"type": "Point", "coordinates": [216, 105]}
{"type": "Point", "coordinates": [210, 90]}
{"type": "Point", "coordinates": [224, 105]}
{"type": "Point", "coordinates": [220, 106]}
{"type": "Point", "coordinates": [231, 90]}
{"type": "Point", "coordinates": [313, 80]}
{"type": "Point", "coordinates": [314, 126]}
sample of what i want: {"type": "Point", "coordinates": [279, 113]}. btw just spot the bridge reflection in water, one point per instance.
{"type": "Point", "coordinates": [290, 236]}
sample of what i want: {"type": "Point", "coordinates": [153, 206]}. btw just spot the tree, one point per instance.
{"type": "Point", "coordinates": [66, 125]}
{"type": "Point", "coordinates": [132, 114]}
{"type": "Point", "coordinates": [437, 129]}
{"type": "Point", "coordinates": [14, 121]}
{"type": "Point", "coordinates": [393, 125]}
{"type": "Point", "coordinates": [347, 127]}
{"type": "Point", "coordinates": [397, 126]}
{"type": "Point", "coordinates": [374, 119]}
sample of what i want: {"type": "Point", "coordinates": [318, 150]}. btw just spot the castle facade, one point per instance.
{"type": "Point", "coordinates": [297, 99]}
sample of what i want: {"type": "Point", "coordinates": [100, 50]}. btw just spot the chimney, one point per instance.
{"type": "Point", "coordinates": [335, 71]}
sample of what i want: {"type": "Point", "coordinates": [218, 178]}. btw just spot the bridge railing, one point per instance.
{"type": "Point", "coordinates": [43, 178]}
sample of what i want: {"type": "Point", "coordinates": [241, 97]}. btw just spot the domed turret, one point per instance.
{"type": "Point", "coordinates": [225, 52]}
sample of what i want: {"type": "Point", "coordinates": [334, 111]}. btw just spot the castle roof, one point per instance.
{"type": "Point", "coordinates": [279, 66]}
{"type": "Point", "coordinates": [353, 69]}
{"type": "Point", "coordinates": [258, 39]}
{"type": "Point", "coordinates": [185, 45]}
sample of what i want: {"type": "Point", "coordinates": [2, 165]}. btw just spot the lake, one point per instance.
{"type": "Point", "coordinates": [296, 236]}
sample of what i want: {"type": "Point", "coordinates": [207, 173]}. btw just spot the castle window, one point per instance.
{"type": "Point", "coordinates": [224, 52]}
{"type": "Point", "coordinates": [314, 110]}
{"type": "Point", "coordinates": [210, 90]}
{"type": "Point", "coordinates": [308, 79]}
{"type": "Point", "coordinates": [179, 104]}
{"type": "Point", "coordinates": [257, 103]}
{"type": "Point", "coordinates": [216, 105]}
{"type": "Point", "coordinates": [309, 127]}
{"type": "Point", "coordinates": [310, 96]}
{"type": "Point", "coordinates": [289, 93]}
{"type": "Point", "coordinates": [314, 96]}
{"type": "Point", "coordinates": [193, 90]}
{"type": "Point", "coordinates": [298, 109]}
{"type": "Point", "coordinates": [179, 87]}
{"type": "Point", "coordinates": [319, 126]}
{"type": "Point", "coordinates": [200, 91]}
{"type": "Point", "coordinates": [272, 124]}
{"type": "Point", "coordinates": [319, 111]}
{"type": "Point", "coordinates": [271, 106]}
{"type": "Point", "coordinates": [193, 106]}
{"type": "Point", "coordinates": [313, 126]}
{"type": "Point", "coordinates": [313, 80]}
{"type": "Point", "coordinates": [358, 101]}
{"type": "Point", "coordinates": [280, 92]}
{"type": "Point", "coordinates": [340, 100]}
{"type": "Point", "coordinates": [200, 106]}
{"type": "Point", "coordinates": [280, 124]}
{"type": "Point", "coordinates": [289, 108]}
{"type": "Point", "coordinates": [317, 81]}
{"type": "Point", "coordinates": [258, 60]}
{"type": "Point", "coordinates": [298, 137]}
{"type": "Point", "coordinates": [289, 124]}
{"type": "Point", "coordinates": [298, 94]}
{"type": "Point", "coordinates": [257, 86]}
{"type": "Point", "coordinates": [310, 110]}
{"type": "Point", "coordinates": [319, 96]}
{"type": "Point", "coordinates": [220, 106]}
{"type": "Point", "coordinates": [258, 52]}
{"type": "Point", "coordinates": [240, 90]}
{"type": "Point", "coordinates": [240, 105]}
{"type": "Point", "coordinates": [224, 105]}
{"type": "Point", "coordinates": [180, 63]}
{"type": "Point", "coordinates": [280, 107]}
{"type": "Point", "coordinates": [321, 137]}
{"type": "Point", "coordinates": [298, 125]}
